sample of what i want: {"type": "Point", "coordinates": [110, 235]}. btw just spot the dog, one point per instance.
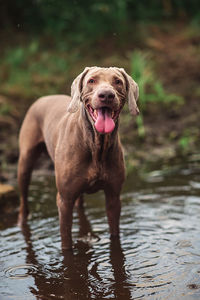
{"type": "Point", "coordinates": [81, 136]}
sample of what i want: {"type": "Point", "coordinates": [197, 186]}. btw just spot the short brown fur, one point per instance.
{"type": "Point", "coordinates": [85, 160]}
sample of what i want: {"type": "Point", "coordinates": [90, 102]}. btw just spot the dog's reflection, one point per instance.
{"type": "Point", "coordinates": [74, 278]}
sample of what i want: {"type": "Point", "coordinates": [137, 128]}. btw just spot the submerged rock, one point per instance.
{"type": "Point", "coordinates": [8, 196]}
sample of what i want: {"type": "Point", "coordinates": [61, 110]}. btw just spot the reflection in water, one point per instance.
{"type": "Point", "coordinates": [117, 259]}
{"type": "Point", "coordinates": [157, 256]}
{"type": "Point", "coordinates": [73, 275]}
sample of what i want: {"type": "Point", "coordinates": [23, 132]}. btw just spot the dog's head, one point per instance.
{"type": "Point", "coordinates": [104, 91]}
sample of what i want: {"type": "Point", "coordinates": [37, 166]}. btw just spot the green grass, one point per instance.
{"type": "Point", "coordinates": [151, 89]}
{"type": "Point", "coordinates": [29, 71]}
{"type": "Point", "coordinates": [5, 109]}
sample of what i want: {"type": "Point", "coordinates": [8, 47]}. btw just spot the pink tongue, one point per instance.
{"type": "Point", "coordinates": [104, 122]}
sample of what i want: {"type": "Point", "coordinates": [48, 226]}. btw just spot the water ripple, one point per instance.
{"type": "Point", "coordinates": [20, 271]}
{"type": "Point", "coordinates": [157, 256]}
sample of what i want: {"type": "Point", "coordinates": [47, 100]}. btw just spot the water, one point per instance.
{"type": "Point", "coordinates": [158, 256]}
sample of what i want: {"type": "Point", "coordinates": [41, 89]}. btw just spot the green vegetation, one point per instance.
{"type": "Point", "coordinates": [29, 72]}
{"type": "Point", "coordinates": [151, 89]}
{"type": "Point", "coordinates": [90, 19]}
{"type": "Point", "coordinates": [5, 109]}
{"type": "Point", "coordinates": [45, 44]}
{"type": "Point", "coordinates": [25, 67]}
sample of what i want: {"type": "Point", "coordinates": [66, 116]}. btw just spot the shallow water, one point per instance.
{"type": "Point", "coordinates": [158, 256]}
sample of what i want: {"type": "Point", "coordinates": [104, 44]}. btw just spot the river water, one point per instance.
{"type": "Point", "coordinates": [157, 257]}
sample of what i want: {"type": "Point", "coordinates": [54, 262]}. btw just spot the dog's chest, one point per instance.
{"type": "Point", "coordinates": [96, 179]}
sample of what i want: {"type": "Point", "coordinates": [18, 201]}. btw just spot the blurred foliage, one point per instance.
{"type": "Point", "coordinates": [25, 67]}
{"type": "Point", "coordinates": [5, 109]}
{"type": "Point", "coordinates": [90, 18]}
{"type": "Point", "coordinates": [151, 89]}
{"type": "Point", "coordinates": [46, 43]}
{"type": "Point", "coordinates": [47, 70]}
{"type": "Point", "coordinates": [187, 139]}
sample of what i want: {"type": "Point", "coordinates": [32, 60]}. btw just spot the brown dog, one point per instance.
{"type": "Point", "coordinates": [81, 137]}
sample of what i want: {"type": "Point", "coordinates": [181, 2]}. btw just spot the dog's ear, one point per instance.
{"type": "Point", "coordinates": [76, 89]}
{"type": "Point", "coordinates": [132, 93]}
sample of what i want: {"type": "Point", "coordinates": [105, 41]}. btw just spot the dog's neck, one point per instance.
{"type": "Point", "coordinates": [102, 147]}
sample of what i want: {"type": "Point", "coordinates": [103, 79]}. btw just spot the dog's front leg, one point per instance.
{"type": "Point", "coordinates": [113, 209]}
{"type": "Point", "coordinates": [65, 209]}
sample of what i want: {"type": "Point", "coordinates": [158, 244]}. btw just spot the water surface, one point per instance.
{"type": "Point", "coordinates": [157, 257]}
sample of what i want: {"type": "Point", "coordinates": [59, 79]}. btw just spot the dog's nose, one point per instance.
{"type": "Point", "coordinates": [106, 95]}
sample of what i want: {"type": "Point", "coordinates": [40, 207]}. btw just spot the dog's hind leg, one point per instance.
{"type": "Point", "coordinates": [25, 166]}
{"type": "Point", "coordinates": [30, 147]}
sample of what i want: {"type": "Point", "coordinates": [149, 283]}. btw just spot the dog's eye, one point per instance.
{"type": "Point", "coordinates": [91, 80]}
{"type": "Point", "coordinates": [118, 81]}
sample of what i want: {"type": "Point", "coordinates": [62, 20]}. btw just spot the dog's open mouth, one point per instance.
{"type": "Point", "coordinates": [104, 118]}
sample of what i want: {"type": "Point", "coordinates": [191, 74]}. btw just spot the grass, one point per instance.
{"type": "Point", "coordinates": [43, 66]}
{"type": "Point", "coordinates": [31, 72]}
{"type": "Point", "coordinates": [5, 109]}
{"type": "Point", "coordinates": [151, 89]}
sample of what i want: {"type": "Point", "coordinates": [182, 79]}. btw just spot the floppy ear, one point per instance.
{"type": "Point", "coordinates": [76, 89]}
{"type": "Point", "coordinates": [133, 93]}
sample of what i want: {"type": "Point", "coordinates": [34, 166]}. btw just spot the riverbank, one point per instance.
{"type": "Point", "coordinates": [168, 129]}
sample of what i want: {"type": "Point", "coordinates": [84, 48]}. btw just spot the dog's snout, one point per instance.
{"type": "Point", "coordinates": [106, 95]}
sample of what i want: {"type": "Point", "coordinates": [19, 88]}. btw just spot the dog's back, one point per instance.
{"type": "Point", "coordinates": [41, 121]}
